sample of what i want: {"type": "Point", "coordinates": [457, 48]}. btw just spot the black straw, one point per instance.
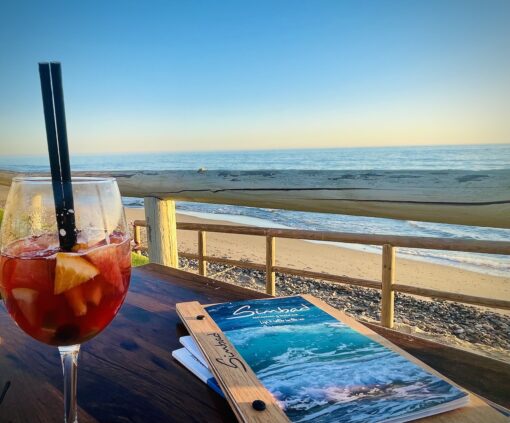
{"type": "Point", "coordinates": [56, 134]}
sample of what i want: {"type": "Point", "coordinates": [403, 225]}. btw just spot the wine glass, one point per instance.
{"type": "Point", "coordinates": [64, 298]}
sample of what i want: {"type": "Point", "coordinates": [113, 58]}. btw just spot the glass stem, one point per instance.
{"type": "Point", "coordinates": [69, 357]}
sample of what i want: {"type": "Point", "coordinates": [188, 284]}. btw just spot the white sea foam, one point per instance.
{"type": "Point", "coordinates": [327, 376]}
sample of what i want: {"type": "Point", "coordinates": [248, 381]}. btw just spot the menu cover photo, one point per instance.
{"type": "Point", "coordinates": [321, 370]}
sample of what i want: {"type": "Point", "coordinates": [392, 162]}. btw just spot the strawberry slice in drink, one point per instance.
{"type": "Point", "coordinates": [25, 273]}
{"type": "Point", "coordinates": [106, 260]}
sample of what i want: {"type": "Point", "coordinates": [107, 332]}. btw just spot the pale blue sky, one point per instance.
{"type": "Point", "coordinates": [205, 75]}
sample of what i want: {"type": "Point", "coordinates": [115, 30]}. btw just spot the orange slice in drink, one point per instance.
{"type": "Point", "coordinates": [80, 296]}
{"type": "Point", "coordinates": [71, 271]}
{"type": "Point", "coordinates": [76, 300]}
{"type": "Point", "coordinates": [93, 292]}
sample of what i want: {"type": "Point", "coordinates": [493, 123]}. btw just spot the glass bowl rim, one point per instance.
{"type": "Point", "coordinates": [74, 179]}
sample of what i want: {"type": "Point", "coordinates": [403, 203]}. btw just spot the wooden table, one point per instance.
{"type": "Point", "coordinates": [127, 374]}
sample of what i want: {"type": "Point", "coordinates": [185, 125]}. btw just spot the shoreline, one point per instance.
{"type": "Point", "coordinates": [403, 252]}
{"type": "Point", "coordinates": [496, 265]}
{"type": "Point", "coordinates": [482, 264]}
{"type": "Point", "coordinates": [339, 260]}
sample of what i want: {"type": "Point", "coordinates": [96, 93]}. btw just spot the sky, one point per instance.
{"type": "Point", "coordinates": [255, 74]}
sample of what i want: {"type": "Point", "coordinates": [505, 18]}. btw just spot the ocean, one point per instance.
{"type": "Point", "coordinates": [475, 157]}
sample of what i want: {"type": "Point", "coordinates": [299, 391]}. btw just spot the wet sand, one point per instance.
{"type": "Point", "coordinates": [339, 261]}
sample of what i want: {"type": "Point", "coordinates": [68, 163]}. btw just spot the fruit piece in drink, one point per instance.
{"type": "Point", "coordinates": [26, 297]}
{"type": "Point", "coordinates": [72, 270]}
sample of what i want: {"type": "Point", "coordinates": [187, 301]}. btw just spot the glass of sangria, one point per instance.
{"type": "Point", "coordinates": [64, 298]}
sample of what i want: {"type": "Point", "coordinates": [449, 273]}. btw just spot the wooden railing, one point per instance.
{"type": "Point", "coordinates": [389, 244]}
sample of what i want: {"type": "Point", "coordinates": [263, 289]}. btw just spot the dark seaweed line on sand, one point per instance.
{"type": "Point", "coordinates": [444, 203]}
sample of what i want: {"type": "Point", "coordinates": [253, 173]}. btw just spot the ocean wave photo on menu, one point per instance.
{"type": "Point", "coordinates": [321, 370]}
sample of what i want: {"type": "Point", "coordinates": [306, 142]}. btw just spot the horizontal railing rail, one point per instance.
{"type": "Point", "coordinates": [462, 197]}
{"type": "Point", "coordinates": [465, 245]}
{"type": "Point", "coordinates": [389, 243]}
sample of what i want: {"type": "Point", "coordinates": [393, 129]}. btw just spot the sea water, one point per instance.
{"type": "Point", "coordinates": [476, 157]}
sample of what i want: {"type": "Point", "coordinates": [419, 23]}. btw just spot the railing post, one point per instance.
{"type": "Point", "coordinates": [270, 263]}
{"type": "Point", "coordinates": [388, 279]}
{"type": "Point", "coordinates": [137, 238]}
{"type": "Point", "coordinates": [202, 252]}
{"type": "Point", "coordinates": [161, 231]}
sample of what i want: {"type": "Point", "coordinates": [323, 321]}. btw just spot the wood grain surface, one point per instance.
{"type": "Point", "coordinates": [236, 378]}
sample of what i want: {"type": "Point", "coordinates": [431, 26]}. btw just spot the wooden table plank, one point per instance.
{"type": "Point", "coordinates": [126, 374]}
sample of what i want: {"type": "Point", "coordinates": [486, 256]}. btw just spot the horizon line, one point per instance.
{"type": "Point", "coordinates": [492, 144]}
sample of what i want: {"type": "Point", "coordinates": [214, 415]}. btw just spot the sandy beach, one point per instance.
{"type": "Point", "coordinates": [339, 261]}
{"type": "Point", "coordinates": [333, 259]}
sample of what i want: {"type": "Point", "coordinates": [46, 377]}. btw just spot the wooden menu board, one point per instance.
{"type": "Point", "coordinates": [242, 388]}
{"type": "Point", "coordinates": [236, 379]}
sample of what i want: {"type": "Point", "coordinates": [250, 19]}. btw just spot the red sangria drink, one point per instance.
{"type": "Point", "coordinates": [65, 264]}
{"type": "Point", "coordinates": [65, 298]}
